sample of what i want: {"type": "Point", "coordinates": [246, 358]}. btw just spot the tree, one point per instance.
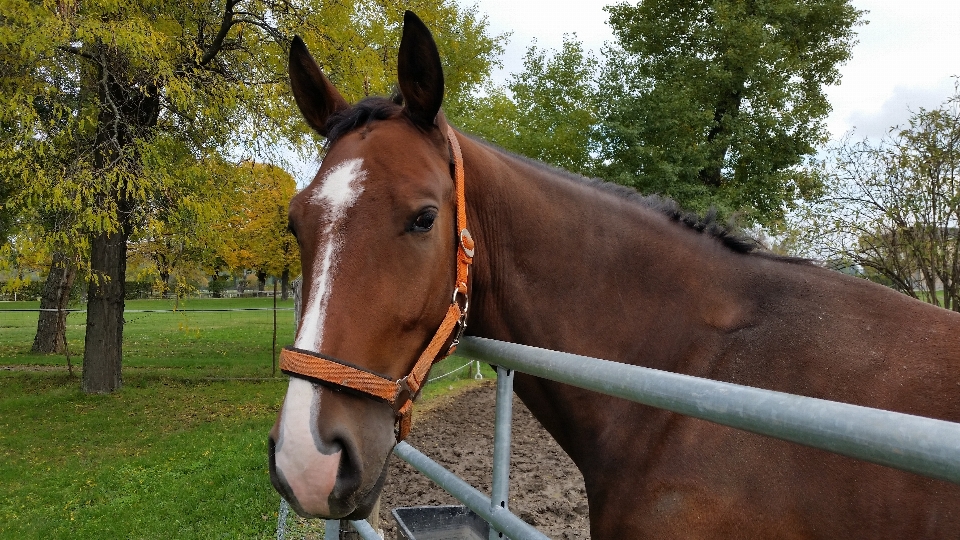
{"type": "Point", "coordinates": [717, 102]}
{"type": "Point", "coordinates": [546, 112]}
{"type": "Point", "coordinates": [128, 80]}
{"type": "Point", "coordinates": [181, 225]}
{"type": "Point", "coordinates": [40, 144]}
{"type": "Point", "coordinates": [892, 208]}
{"type": "Point", "coordinates": [6, 211]}
{"type": "Point", "coordinates": [273, 247]}
{"type": "Point", "coordinates": [256, 236]}
{"type": "Point", "coordinates": [51, 336]}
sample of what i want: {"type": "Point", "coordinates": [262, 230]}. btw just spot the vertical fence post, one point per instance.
{"type": "Point", "coordinates": [273, 354]}
{"type": "Point", "coordinates": [501, 443]}
{"type": "Point", "coordinates": [331, 529]}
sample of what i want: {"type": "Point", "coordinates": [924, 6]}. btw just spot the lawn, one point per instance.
{"type": "Point", "coordinates": [191, 340]}
{"type": "Point", "coordinates": [179, 452]}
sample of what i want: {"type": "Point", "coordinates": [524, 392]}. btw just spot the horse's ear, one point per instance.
{"type": "Point", "coordinates": [419, 71]}
{"type": "Point", "coordinates": [315, 94]}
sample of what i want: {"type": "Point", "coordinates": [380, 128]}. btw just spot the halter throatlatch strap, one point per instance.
{"type": "Point", "coordinates": [400, 393]}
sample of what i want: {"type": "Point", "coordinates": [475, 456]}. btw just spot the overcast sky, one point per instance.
{"type": "Point", "coordinates": [905, 57]}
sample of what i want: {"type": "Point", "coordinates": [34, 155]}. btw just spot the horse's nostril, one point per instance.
{"type": "Point", "coordinates": [349, 473]}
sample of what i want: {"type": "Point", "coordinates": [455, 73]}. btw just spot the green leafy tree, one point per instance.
{"type": "Point", "coordinates": [125, 80]}
{"type": "Point", "coordinates": [556, 101]}
{"type": "Point", "coordinates": [717, 102]}
{"type": "Point", "coordinates": [6, 211]}
{"type": "Point", "coordinates": [46, 148]}
{"type": "Point", "coordinates": [180, 224]}
{"type": "Point", "coordinates": [891, 209]}
{"type": "Point", "coordinates": [547, 112]}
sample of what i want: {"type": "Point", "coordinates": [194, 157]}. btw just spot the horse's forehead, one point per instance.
{"type": "Point", "coordinates": [371, 160]}
{"type": "Point", "coordinates": [340, 185]}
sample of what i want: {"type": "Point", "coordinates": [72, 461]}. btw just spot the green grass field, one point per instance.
{"type": "Point", "coordinates": [179, 452]}
{"type": "Point", "coordinates": [223, 343]}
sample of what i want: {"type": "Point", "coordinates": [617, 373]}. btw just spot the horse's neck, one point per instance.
{"type": "Point", "coordinates": [562, 265]}
{"type": "Point", "coordinates": [565, 266]}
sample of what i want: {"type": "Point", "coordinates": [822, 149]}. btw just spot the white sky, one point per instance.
{"type": "Point", "coordinates": [905, 57]}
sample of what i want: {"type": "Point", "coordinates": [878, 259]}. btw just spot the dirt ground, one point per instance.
{"type": "Point", "coordinates": [546, 489]}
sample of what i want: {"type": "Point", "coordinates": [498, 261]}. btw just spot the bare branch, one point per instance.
{"type": "Point", "coordinates": [77, 51]}
{"type": "Point", "coordinates": [225, 24]}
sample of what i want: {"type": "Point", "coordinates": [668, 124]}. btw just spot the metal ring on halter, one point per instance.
{"type": "Point", "coordinates": [466, 299]}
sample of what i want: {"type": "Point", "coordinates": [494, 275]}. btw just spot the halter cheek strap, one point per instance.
{"type": "Point", "coordinates": [401, 393]}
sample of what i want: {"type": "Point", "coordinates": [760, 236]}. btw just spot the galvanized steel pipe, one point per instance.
{"type": "Point", "coordinates": [365, 529]}
{"type": "Point", "coordinates": [500, 488]}
{"type": "Point", "coordinates": [331, 527]}
{"type": "Point", "coordinates": [911, 443]}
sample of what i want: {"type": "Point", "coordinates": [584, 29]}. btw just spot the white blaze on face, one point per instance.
{"type": "Point", "coordinates": [311, 473]}
{"type": "Point", "coordinates": [337, 193]}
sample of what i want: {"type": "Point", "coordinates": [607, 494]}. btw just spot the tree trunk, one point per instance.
{"type": "Point", "coordinates": [103, 349]}
{"type": "Point", "coordinates": [52, 323]}
{"type": "Point", "coordinates": [164, 281]}
{"type": "Point", "coordinates": [127, 109]}
{"type": "Point", "coordinates": [284, 283]}
{"type": "Point", "coordinates": [261, 280]}
{"type": "Point", "coordinates": [718, 137]}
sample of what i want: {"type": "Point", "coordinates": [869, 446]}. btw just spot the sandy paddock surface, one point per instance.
{"type": "Point", "coordinates": [546, 489]}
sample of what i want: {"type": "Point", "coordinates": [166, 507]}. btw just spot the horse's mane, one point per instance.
{"type": "Point", "coordinates": [729, 235]}
{"type": "Point", "coordinates": [371, 109]}
{"type": "Point", "coordinates": [365, 111]}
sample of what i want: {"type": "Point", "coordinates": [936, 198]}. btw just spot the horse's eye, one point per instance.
{"type": "Point", "coordinates": [424, 221]}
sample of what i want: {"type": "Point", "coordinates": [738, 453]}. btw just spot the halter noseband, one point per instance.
{"type": "Point", "coordinates": [400, 393]}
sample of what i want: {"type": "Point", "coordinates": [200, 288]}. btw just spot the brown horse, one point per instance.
{"type": "Point", "coordinates": [581, 266]}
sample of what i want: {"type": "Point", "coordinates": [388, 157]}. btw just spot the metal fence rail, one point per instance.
{"type": "Point", "coordinates": [911, 443]}
{"type": "Point", "coordinates": [497, 516]}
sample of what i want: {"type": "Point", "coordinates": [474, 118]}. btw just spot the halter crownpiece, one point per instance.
{"type": "Point", "coordinates": [401, 393]}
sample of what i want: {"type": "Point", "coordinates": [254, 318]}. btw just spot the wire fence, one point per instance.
{"type": "Point", "coordinates": [200, 340]}
{"type": "Point", "coordinates": [222, 339]}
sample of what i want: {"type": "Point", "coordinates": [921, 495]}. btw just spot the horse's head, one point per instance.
{"type": "Point", "coordinates": [378, 258]}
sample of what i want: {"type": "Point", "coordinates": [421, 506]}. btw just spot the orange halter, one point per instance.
{"type": "Point", "coordinates": [401, 393]}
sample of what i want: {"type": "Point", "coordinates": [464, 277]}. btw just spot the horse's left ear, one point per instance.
{"type": "Point", "coordinates": [419, 72]}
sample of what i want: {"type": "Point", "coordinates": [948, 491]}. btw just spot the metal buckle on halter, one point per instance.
{"type": "Point", "coordinates": [462, 321]}
{"type": "Point", "coordinates": [457, 334]}
{"type": "Point", "coordinates": [403, 388]}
